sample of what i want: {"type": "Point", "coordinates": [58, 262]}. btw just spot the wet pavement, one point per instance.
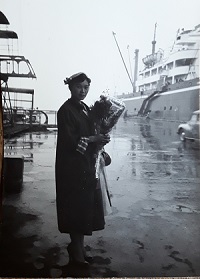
{"type": "Point", "coordinates": [153, 228]}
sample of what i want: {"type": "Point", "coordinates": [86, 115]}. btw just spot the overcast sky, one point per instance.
{"type": "Point", "coordinates": [62, 37]}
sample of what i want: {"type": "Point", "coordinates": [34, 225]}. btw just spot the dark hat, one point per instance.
{"type": "Point", "coordinates": [78, 77]}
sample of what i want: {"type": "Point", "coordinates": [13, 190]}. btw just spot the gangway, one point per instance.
{"type": "Point", "coordinates": [145, 103]}
{"type": "Point", "coordinates": [161, 87]}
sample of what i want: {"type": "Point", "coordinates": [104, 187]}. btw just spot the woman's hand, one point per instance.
{"type": "Point", "coordinates": [100, 138]}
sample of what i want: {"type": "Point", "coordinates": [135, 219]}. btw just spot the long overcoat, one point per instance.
{"type": "Point", "coordinates": [78, 199]}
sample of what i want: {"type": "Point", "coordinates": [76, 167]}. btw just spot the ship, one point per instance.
{"type": "Point", "coordinates": [168, 86]}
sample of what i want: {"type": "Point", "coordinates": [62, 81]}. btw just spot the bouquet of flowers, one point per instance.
{"type": "Point", "coordinates": [105, 114]}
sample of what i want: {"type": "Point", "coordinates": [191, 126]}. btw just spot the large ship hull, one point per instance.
{"type": "Point", "coordinates": [176, 104]}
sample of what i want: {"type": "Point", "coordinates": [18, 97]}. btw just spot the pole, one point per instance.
{"type": "Point", "coordinates": [106, 186]}
{"type": "Point", "coordinates": [1, 155]}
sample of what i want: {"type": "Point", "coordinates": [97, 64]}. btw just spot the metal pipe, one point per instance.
{"type": "Point", "coordinates": [136, 68]}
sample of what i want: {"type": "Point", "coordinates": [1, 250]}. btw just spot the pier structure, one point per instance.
{"type": "Point", "coordinates": [11, 66]}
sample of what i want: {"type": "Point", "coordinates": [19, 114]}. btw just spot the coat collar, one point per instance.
{"type": "Point", "coordinates": [80, 106]}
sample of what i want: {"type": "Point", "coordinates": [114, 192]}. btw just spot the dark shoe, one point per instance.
{"type": "Point", "coordinates": [89, 259]}
{"type": "Point", "coordinates": [73, 260]}
{"type": "Point", "coordinates": [87, 256]}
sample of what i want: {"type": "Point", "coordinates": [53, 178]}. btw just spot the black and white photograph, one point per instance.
{"type": "Point", "coordinates": [99, 138]}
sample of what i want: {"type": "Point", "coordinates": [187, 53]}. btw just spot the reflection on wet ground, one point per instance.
{"type": "Point", "coordinates": [153, 227]}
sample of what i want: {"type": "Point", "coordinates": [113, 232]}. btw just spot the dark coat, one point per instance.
{"type": "Point", "coordinates": [79, 203]}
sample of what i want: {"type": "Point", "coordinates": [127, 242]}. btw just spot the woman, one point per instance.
{"type": "Point", "coordinates": [79, 200]}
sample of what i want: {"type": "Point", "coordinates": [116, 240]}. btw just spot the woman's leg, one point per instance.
{"type": "Point", "coordinates": [78, 267]}
{"type": "Point", "coordinates": [77, 245]}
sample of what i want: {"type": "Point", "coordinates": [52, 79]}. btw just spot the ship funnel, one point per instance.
{"type": "Point", "coordinates": [136, 68]}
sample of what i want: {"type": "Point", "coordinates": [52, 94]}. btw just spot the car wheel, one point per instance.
{"type": "Point", "coordinates": [182, 135]}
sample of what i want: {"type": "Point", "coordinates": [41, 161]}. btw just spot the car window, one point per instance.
{"type": "Point", "coordinates": [193, 118]}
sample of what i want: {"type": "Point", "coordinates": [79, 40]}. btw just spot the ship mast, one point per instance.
{"type": "Point", "coordinates": [154, 40]}
{"type": "Point", "coordinates": [114, 34]}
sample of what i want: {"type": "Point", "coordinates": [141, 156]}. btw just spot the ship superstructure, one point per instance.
{"type": "Point", "coordinates": [168, 86]}
{"type": "Point", "coordinates": [181, 64]}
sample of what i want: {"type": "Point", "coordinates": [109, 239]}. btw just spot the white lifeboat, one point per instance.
{"type": "Point", "coordinates": [152, 59]}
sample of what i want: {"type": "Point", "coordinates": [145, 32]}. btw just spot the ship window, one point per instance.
{"type": "Point", "coordinates": [147, 74]}
{"type": "Point", "coordinates": [154, 84]}
{"type": "Point", "coordinates": [184, 62]}
{"type": "Point", "coordinates": [154, 72]}
{"type": "Point", "coordinates": [164, 108]}
{"type": "Point", "coordinates": [170, 66]}
{"type": "Point", "coordinates": [179, 78]}
{"type": "Point", "coordinates": [147, 86]}
{"type": "Point", "coordinates": [169, 80]}
{"type": "Point", "coordinates": [170, 108]}
{"type": "Point", "coordinates": [160, 70]}
{"type": "Point", "coordinates": [135, 109]}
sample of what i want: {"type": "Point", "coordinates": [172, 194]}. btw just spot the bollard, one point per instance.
{"type": "Point", "coordinates": [13, 169]}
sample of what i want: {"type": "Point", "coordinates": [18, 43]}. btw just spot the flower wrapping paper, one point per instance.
{"type": "Point", "coordinates": [105, 113]}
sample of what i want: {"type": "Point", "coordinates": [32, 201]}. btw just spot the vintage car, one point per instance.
{"type": "Point", "coordinates": [190, 130]}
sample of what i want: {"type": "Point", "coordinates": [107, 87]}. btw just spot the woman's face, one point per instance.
{"type": "Point", "coordinates": [80, 90]}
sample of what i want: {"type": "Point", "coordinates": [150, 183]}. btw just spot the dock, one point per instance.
{"type": "Point", "coordinates": [152, 228]}
{"type": "Point", "coordinates": [18, 129]}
